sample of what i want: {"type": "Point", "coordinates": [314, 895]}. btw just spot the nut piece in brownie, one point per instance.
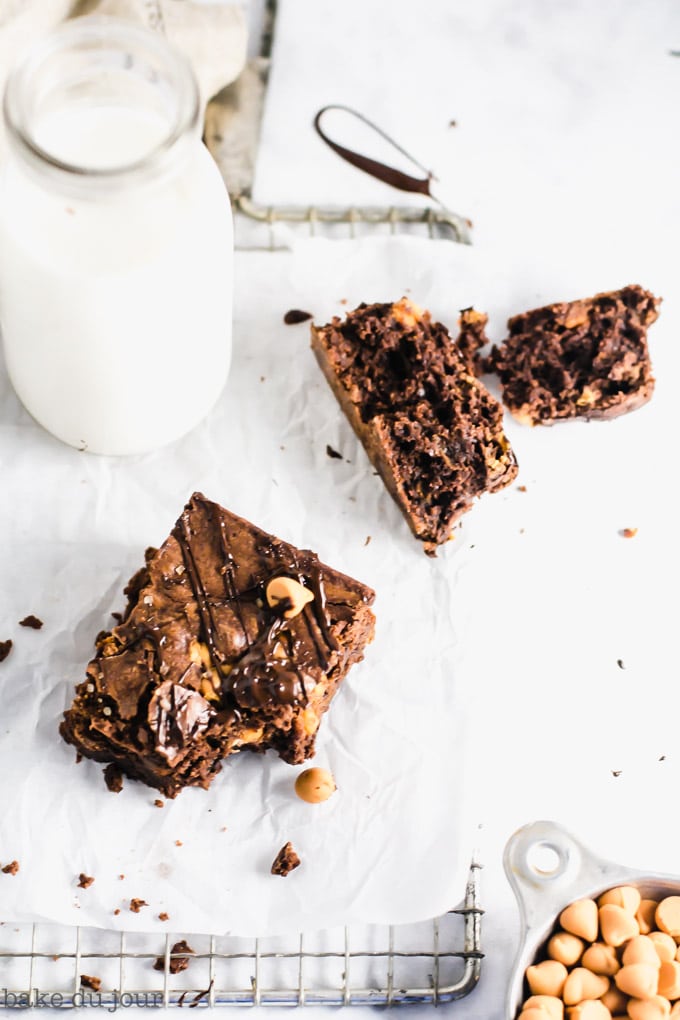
{"type": "Point", "coordinates": [578, 359]}
{"type": "Point", "coordinates": [231, 639]}
{"type": "Point", "coordinates": [432, 431]}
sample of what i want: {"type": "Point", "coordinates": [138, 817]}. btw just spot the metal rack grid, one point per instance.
{"type": "Point", "coordinates": [433, 962]}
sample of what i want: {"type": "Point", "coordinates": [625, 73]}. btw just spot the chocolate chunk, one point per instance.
{"type": "Point", "coordinates": [179, 958]}
{"type": "Point", "coordinates": [203, 666]}
{"type": "Point", "coordinates": [432, 431]}
{"type": "Point", "coordinates": [578, 359]}
{"type": "Point", "coordinates": [295, 315]}
{"type": "Point", "coordinates": [5, 649]}
{"type": "Point", "coordinates": [31, 621]}
{"type": "Point", "coordinates": [85, 881]}
{"type": "Point", "coordinates": [87, 981]}
{"type": "Point", "coordinates": [285, 861]}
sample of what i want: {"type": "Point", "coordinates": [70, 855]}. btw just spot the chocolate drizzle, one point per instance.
{"type": "Point", "coordinates": [183, 535]}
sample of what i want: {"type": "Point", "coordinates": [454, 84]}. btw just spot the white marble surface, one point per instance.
{"type": "Point", "coordinates": [566, 154]}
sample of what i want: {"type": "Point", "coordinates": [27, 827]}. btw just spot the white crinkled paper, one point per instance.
{"type": "Point", "coordinates": [482, 664]}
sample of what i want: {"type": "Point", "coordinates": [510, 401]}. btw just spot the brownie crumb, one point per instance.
{"type": "Point", "coordinates": [163, 916]}
{"type": "Point", "coordinates": [521, 488]}
{"type": "Point", "coordinates": [87, 981]}
{"type": "Point", "coordinates": [333, 453]}
{"type": "Point", "coordinates": [178, 842]}
{"type": "Point", "coordinates": [368, 540]}
{"type": "Point", "coordinates": [136, 905]}
{"type": "Point", "coordinates": [285, 861]}
{"type": "Point", "coordinates": [662, 757]}
{"type": "Point", "coordinates": [295, 315]}
{"type": "Point", "coordinates": [113, 777]}
{"type": "Point", "coordinates": [11, 869]}
{"type": "Point", "coordinates": [85, 881]}
{"type": "Point", "coordinates": [178, 960]}
{"type": "Point", "coordinates": [616, 773]}
{"type": "Point", "coordinates": [5, 649]}
{"type": "Point", "coordinates": [620, 663]}
{"type": "Point", "coordinates": [158, 802]}
{"type": "Point", "coordinates": [628, 532]}
{"type": "Point", "coordinates": [31, 621]}
{"type": "Point", "coordinates": [116, 912]}
{"type": "Point", "coordinates": [121, 877]}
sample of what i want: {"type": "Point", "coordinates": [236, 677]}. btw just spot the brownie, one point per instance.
{"type": "Point", "coordinates": [178, 960]}
{"type": "Point", "coordinates": [578, 359]}
{"type": "Point", "coordinates": [285, 861]}
{"type": "Point", "coordinates": [432, 431]}
{"type": "Point", "coordinates": [206, 661]}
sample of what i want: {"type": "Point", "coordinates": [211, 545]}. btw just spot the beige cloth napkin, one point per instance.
{"type": "Point", "coordinates": [213, 36]}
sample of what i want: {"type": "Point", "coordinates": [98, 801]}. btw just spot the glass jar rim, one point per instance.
{"type": "Point", "coordinates": [116, 32]}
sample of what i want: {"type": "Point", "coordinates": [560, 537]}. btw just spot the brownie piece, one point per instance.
{"type": "Point", "coordinates": [285, 861]}
{"type": "Point", "coordinates": [578, 359]}
{"type": "Point", "coordinates": [179, 958]}
{"type": "Point", "coordinates": [432, 431]}
{"type": "Point", "coordinates": [206, 661]}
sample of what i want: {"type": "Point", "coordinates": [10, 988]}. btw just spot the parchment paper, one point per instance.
{"type": "Point", "coordinates": [490, 664]}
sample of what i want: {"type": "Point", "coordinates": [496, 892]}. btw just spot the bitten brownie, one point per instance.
{"type": "Point", "coordinates": [578, 359]}
{"type": "Point", "coordinates": [432, 431]}
{"type": "Point", "coordinates": [231, 639]}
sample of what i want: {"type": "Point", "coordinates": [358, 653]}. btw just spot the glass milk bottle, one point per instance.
{"type": "Point", "coordinates": [116, 241]}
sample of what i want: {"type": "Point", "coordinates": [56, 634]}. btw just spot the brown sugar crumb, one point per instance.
{"type": "Point", "coordinates": [31, 621]}
{"type": "Point", "coordinates": [5, 649]}
{"type": "Point", "coordinates": [330, 452]}
{"type": "Point", "coordinates": [158, 803]}
{"type": "Point", "coordinates": [285, 861]}
{"type": "Point", "coordinates": [136, 905]}
{"type": "Point", "coordinates": [11, 869]}
{"type": "Point", "coordinates": [85, 881]}
{"type": "Point", "coordinates": [113, 777]}
{"type": "Point", "coordinates": [178, 960]}
{"type": "Point", "coordinates": [87, 981]}
{"type": "Point", "coordinates": [163, 916]}
{"type": "Point", "coordinates": [295, 315]}
{"type": "Point", "coordinates": [628, 532]}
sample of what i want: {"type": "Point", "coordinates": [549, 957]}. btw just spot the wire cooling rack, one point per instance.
{"type": "Point", "coordinates": [431, 962]}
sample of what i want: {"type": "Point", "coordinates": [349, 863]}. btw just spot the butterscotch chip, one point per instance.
{"type": "Point", "coordinates": [615, 1001]}
{"type": "Point", "coordinates": [645, 915]}
{"type": "Point", "coordinates": [581, 918]}
{"type": "Point", "coordinates": [549, 1004]}
{"type": "Point", "coordinates": [289, 594]}
{"type": "Point", "coordinates": [668, 915]}
{"type": "Point", "coordinates": [640, 949]}
{"type": "Point", "coordinates": [534, 1013]}
{"type": "Point", "coordinates": [589, 1009]}
{"type": "Point", "coordinates": [546, 978]}
{"type": "Point", "coordinates": [655, 1008]}
{"type": "Point", "coordinates": [669, 980]}
{"type": "Point", "coordinates": [582, 984]}
{"type": "Point", "coordinates": [639, 980]}
{"type": "Point", "coordinates": [566, 948]}
{"type": "Point", "coordinates": [617, 925]}
{"type": "Point", "coordinates": [665, 945]}
{"type": "Point", "coordinates": [315, 785]}
{"type": "Point", "coordinates": [626, 896]}
{"type": "Point", "coordinates": [601, 959]}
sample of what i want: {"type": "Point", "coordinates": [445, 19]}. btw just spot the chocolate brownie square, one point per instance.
{"type": "Point", "coordinates": [431, 429]}
{"type": "Point", "coordinates": [578, 359]}
{"type": "Point", "coordinates": [231, 639]}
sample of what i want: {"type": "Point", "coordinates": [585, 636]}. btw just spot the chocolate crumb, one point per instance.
{"type": "Point", "coordinates": [285, 861]}
{"type": "Point", "coordinates": [158, 802]}
{"type": "Point", "coordinates": [31, 621]}
{"type": "Point", "coordinates": [453, 123]}
{"type": "Point", "coordinates": [113, 777]}
{"type": "Point", "coordinates": [5, 649]}
{"type": "Point", "coordinates": [662, 758]}
{"type": "Point", "coordinates": [136, 905]}
{"type": "Point", "coordinates": [368, 539]}
{"type": "Point", "coordinates": [87, 981]}
{"type": "Point", "coordinates": [628, 532]}
{"type": "Point", "coordinates": [333, 453]}
{"type": "Point", "coordinates": [116, 912]}
{"type": "Point", "coordinates": [616, 773]}
{"type": "Point", "coordinates": [295, 315]}
{"type": "Point", "coordinates": [176, 962]}
{"type": "Point", "coordinates": [11, 869]}
{"type": "Point", "coordinates": [163, 916]}
{"type": "Point", "coordinates": [620, 663]}
{"type": "Point", "coordinates": [85, 881]}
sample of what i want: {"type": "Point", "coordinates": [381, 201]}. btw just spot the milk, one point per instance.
{"type": "Point", "coordinates": [115, 302]}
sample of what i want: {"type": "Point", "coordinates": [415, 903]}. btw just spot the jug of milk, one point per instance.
{"type": "Point", "coordinates": [116, 241]}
